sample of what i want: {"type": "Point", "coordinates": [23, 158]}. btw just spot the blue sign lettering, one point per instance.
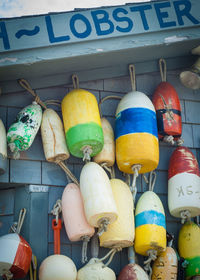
{"type": "Point", "coordinates": [104, 19]}
{"type": "Point", "coordinates": [4, 35]}
{"type": "Point", "coordinates": [26, 32]}
{"type": "Point", "coordinates": [163, 15]}
{"type": "Point", "coordinates": [52, 38]}
{"type": "Point", "coordinates": [184, 12]}
{"type": "Point", "coordinates": [122, 19]}
{"type": "Point", "coordinates": [83, 19]}
{"type": "Point", "coordinates": [141, 10]}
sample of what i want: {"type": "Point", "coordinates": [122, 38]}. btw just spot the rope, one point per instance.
{"type": "Point", "coordinates": [111, 253]}
{"type": "Point", "coordinates": [152, 180]}
{"type": "Point", "coordinates": [75, 81]}
{"type": "Point", "coordinates": [135, 169]}
{"type": "Point", "coordinates": [180, 142]}
{"type": "Point", "coordinates": [95, 246]}
{"type": "Point", "coordinates": [152, 256]}
{"type": "Point", "coordinates": [20, 222]}
{"type": "Point", "coordinates": [53, 102]}
{"type": "Point", "coordinates": [87, 151]}
{"type": "Point", "coordinates": [128, 178]}
{"type": "Point", "coordinates": [185, 216]}
{"type": "Point", "coordinates": [107, 168]}
{"type": "Point", "coordinates": [85, 240]}
{"type": "Point", "coordinates": [103, 225]}
{"type": "Point", "coordinates": [163, 69]}
{"type": "Point", "coordinates": [106, 98]}
{"type": "Point", "coordinates": [8, 274]}
{"type": "Point", "coordinates": [23, 83]}
{"type": "Point", "coordinates": [132, 76]}
{"type": "Point", "coordinates": [68, 172]}
{"type": "Point", "coordinates": [169, 139]}
{"type": "Point", "coordinates": [57, 209]}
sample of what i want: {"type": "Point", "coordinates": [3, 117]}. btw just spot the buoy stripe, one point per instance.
{"type": "Point", "coordinates": [136, 120]}
{"type": "Point", "coordinates": [150, 217]}
{"type": "Point", "coordinates": [193, 267]}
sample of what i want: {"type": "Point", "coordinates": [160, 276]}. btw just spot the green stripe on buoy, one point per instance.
{"type": "Point", "coordinates": [193, 267]}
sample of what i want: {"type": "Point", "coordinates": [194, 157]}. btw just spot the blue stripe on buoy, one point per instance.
{"type": "Point", "coordinates": [151, 217]}
{"type": "Point", "coordinates": [136, 120]}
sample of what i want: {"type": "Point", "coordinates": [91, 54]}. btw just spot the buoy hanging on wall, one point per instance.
{"type": "Point", "coordinates": [136, 133]}
{"type": "Point", "coordinates": [82, 123]}
{"type": "Point", "coordinates": [183, 184]}
{"type": "Point", "coordinates": [99, 204]}
{"type": "Point", "coordinates": [189, 248]}
{"type": "Point", "coordinates": [76, 225]}
{"type": "Point", "coordinates": [121, 233]}
{"type": "Point", "coordinates": [22, 132]}
{"type": "Point", "coordinates": [3, 148]}
{"type": "Point", "coordinates": [107, 155]}
{"type": "Point", "coordinates": [168, 109]}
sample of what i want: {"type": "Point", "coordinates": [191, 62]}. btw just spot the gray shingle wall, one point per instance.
{"type": "Point", "coordinates": [33, 169]}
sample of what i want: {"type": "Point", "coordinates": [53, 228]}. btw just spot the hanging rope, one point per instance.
{"type": "Point", "coordinates": [132, 76]}
{"type": "Point", "coordinates": [8, 274]}
{"type": "Point", "coordinates": [87, 151]}
{"type": "Point", "coordinates": [111, 253]}
{"type": "Point", "coordinates": [53, 102]}
{"type": "Point", "coordinates": [23, 83]}
{"type": "Point", "coordinates": [68, 172]}
{"type": "Point", "coordinates": [20, 222]}
{"type": "Point", "coordinates": [102, 226]}
{"type": "Point", "coordinates": [95, 246]}
{"type": "Point", "coordinates": [152, 256]}
{"type": "Point", "coordinates": [106, 98]}
{"type": "Point", "coordinates": [109, 169]}
{"type": "Point", "coordinates": [33, 268]}
{"type": "Point", "coordinates": [85, 240]}
{"type": "Point", "coordinates": [152, 180]}
{"type": "Point", "coordinates": [57, 209]}
{"type": "Point", "coordinates": [135, 168]}
{"type": "Point", "coordinates": [163, 69]}
{"type": "Point", "coordinates": [75, 81]}
{"type": "Point", "coordinates": [185, 216]}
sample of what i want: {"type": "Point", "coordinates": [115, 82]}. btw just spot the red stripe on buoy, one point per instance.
{"type": "Point", "coordinates": [22, 259]}
{"type": "Point", "coordinates": [183, 160]}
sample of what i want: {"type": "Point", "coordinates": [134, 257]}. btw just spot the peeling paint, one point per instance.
{"type": "Point", "coordinates": [173, 39]}
{"type": "Point", "coordinates": [10, 59]}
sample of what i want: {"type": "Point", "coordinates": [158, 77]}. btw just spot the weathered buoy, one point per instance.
{"type": "Point", "coordinates": [150, 232]}
{"type": "Point", "coordinates": [82, 123]}
{"type": "Point", "coordinates": [15, 256]}
{"type": "Point", "coordinates": [183, 184]}
{"type": "Point", "coordinates": [189, 248]}
{"type": "Point", "coordinates": [99, 204]}
{"type": "Point", "coordinates": [22, 132]}
{"type": "Point", "coordinates": [168, 111]}
{"type": "Point", "coordinates": [107, 154]}
{"type": "Point", "coordinates": [53, 137]}
{"type": "Point", "coordinates": [73, 212]}
{"type": "Point", "coordinates": [136, 133]}
{"type": "Point", "coordinates": [3, 148]}
{"type": "Point", "coordinates": [121, 233]}
{"type": "Point", "coordinates": [132, 271]}
{"type": "Point", "coordinates": [57, 267]}
{"type": "Point", "coordinates": [191, 77]}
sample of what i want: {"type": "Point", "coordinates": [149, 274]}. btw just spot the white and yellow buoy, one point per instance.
{"type": "Point", "coordinates": [3, 148]}
{"type": "Point", "coordinates": [99, 204]}
{"type": "Point", "coordinates": [121, 233]}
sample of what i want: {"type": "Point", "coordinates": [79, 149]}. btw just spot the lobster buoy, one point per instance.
{"type": "Point", "coordinates": [165, 266]}
{"type": "Point", "coordinates": [99, 204]}
{"type": "Point", "coordinates": [57, 267]}
{"type": "Point", "coordinates": [22, 132]}
{"type": "Point", "coordinates": [107, 155]}
{"type": "Point", "coordinates": [15, 256]}
{"type": "Point", "coordinates": [150, 232]}
{"type": "Point", "coordinates": [82, 123]}
{"type": "Point", "coordinates": [73, 212]}
{"type": "Point", "coordinates": [183, 184]}
{"type": "Point", "coordinates": [168, 111]}
{"type": "Point", "coordinates": [3, 148]}
{"type": "Point", "coordinates": [136, 133]}
{"type": "Point", "coordinates": [95, 269]}
{"type": "Point", "coordinates": [121, 233]}
{"type": "Point", "coordinates": [53, 137]}
{"type": "Point", "coordinates": [189, 248]}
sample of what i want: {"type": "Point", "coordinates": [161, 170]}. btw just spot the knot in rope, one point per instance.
{"type": "Point", "coordinates": [152, 180]}
{"type": "Point", "coordinates": [180, 142]}
{"type": "Point", "coordinates": [85, 240]}
{"type": "Point", "coordinates": [152, 256]}
{"type": "Point", "coordinates": [169, 139]}
{"type": "Point", "coordinates": [103, 225]}
{"type": "Point", "coordinates": [57, 209]}
{"type": "Point", "coordinates": [87, 151]}
{"type": "Point", "coordinates": [185, 216]}
{"type": "Point", "coordinates": [135, 169]}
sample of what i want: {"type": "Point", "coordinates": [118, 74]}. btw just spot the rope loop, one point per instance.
{"type": "Point", "coordinates": [23, 83]}
{"type": "Point", "coordinates": [152, 256]}
{"type": "Point", "coordinates": [163, 69]}
{"type": "Point", "coordinates": [152, 180]}
{"type": "Point", "coordinates": [57, 209]}
{"type": "Point", "coordinates": [106, 98]}
{"type": "Point", "coordinates": [135, 169]}
{"type": "Point", "coordinates": [185, 216]}
{"type": "Point", "coordinates": [132, 76]}
{"type": "Point", "coordinates": [75, 81]}
{"type": "Point", "coordinates": [85, 240]}
{"type": "Point", "coordinates": [103, 225]}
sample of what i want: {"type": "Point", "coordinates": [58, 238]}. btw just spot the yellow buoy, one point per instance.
{"type": "Point", "coordinates": [107, 155]}
{"type": "Point", "coordinates": [53, 137]}
{"type": "Point", "coordinates": [121, 233]}
{"type": "Point", "coordinates": [82, 123]}
{"type": "Point", "coordinates": [189, 248]}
